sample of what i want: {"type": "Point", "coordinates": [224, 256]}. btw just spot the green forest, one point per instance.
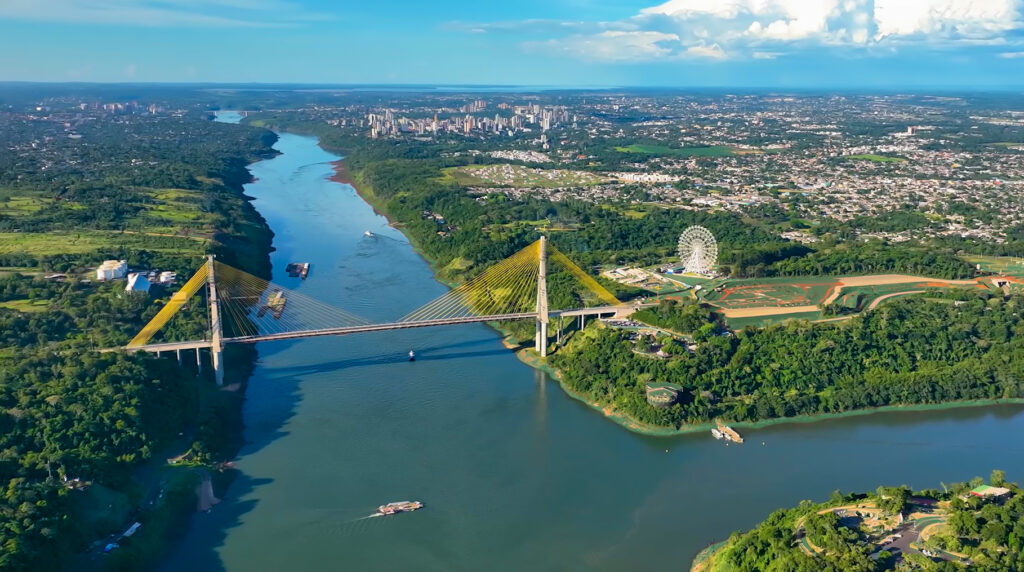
{"type": "Point", "coordinates": [928, 350]}
{"type": "Point", "coordinates": [77, 425]}
{"type": "Point", "coordinates": [977, 534]}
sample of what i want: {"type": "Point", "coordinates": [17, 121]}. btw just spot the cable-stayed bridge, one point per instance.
{"type": "Point", "coordinates": [243, 308]}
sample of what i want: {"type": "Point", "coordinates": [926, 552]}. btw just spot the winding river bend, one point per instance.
{"type": "Point", "coordinates": [515, 475]}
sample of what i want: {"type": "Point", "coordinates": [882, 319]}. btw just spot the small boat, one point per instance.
{"type": "Point", "coordinates": [718, 434]}
{"type": "Point", "coordinates": [369, 234]}
{"type": "Point", "coordinates": [397, 507]}
{"type": "Point", "coordinates": [412, 355]}
{"type": "Point", "coordinates": [728, 432]}
{"type": "Point", "coordinates": [297, 269]}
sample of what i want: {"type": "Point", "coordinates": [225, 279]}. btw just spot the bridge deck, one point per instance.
{"type": "Point", "coordinates": [341, 331]}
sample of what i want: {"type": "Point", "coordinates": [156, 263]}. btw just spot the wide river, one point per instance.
{"type": "Point", "coordinates": [515, 475]}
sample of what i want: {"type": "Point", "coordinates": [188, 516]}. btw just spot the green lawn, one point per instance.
{"type": "Point", "coordinates": [764, 321]}
{"type": "Point", "coordinates": [26, 306]}
{"type": "Point", "coordinates": [662, 150]}
{"type": "Point", "coordinates": [57, 242]}
{"type": "Point", "coordinates": [998, 264]}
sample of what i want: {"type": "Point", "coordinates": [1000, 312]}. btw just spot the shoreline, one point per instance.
{"type": "Point", "coordinates": [343, 175]}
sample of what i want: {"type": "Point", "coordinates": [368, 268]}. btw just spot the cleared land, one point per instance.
{"type": "Point", "coordinates": [504, 175]}
{"type": "Point", "coordinates": [49, 243]}
{"type": "Point", "coordinates": [662, 150]}
{"type": "Point", "coordinates": [762, 302]}
{"type": "Point", "coordinates": [1007, 265]}
{"type": "Point", "coordinates": [26, 306]}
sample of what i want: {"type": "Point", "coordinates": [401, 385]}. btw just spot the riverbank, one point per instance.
{"type": "Point", "coordinates": [215, 434]}
{"type": "Point", "coordinates": [527, 356]}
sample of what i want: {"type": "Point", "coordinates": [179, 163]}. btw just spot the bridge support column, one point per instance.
{"type": "Point", "coordinates": [541, 342]}
{"type": "Point", "coordinates": [199, 362]}
{"type": "Point", "coordinates": [179, 357]}
{"type": "Point", "coordinates": [216, 345]}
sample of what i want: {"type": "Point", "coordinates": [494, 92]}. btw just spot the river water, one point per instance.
{"type": "Point", "coordinates": [515, 475]}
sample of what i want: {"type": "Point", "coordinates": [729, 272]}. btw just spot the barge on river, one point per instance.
{"type": "Point", "coordinates": [397, 507]}
{"type": "Point", "coordinates": [725, 432]}
{"type": "Point", "coordinates": [297, 269]}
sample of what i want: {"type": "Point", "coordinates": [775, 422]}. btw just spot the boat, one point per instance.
{"type": "Point", "coordinates": [718, 434]}
{"type": "Point", "coordinates": [297, 269]}
{"type": "Point", "coordinates": [728, 432]}
{"type": "Point", "coordinates": [397, 507]}
{"type": "Point", "coordinates": [369, 234]}
{"type": "Point", "coordinates": [412, 355]}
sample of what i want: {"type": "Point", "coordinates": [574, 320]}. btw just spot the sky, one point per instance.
{"type": "Point", "coordinates": [961, 44]}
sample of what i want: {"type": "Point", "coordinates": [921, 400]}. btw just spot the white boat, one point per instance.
{"type": "Point", "coordinates": [369, 234]}
{"type": "Point", "coordinates": [718, 434]}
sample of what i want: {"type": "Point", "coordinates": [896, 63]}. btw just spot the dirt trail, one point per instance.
{"type": "Point", "coordinates": [884, 279]}
{"type": "Point", "coordinates": [764, 311]}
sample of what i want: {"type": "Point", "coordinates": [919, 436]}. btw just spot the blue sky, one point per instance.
{"type": "Point", "coordinates": [684, 43]}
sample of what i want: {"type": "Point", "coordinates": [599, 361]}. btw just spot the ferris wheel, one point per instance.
{"type": "Point", "coordinates": [698, 250]}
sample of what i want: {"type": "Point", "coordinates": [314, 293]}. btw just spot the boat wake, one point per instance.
{"type": "Point", "coordinates": [374, 515]}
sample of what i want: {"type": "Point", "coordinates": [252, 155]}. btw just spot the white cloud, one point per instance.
{"type": "Point", "coordinates": [615, 45]}
{"type": "Point", "coordinates": [953, 18]}
{"type": "Point", "coordinates": [164, 13]}
{"type": "Point", "coordinates": [763, 28]}
{"type": "Point", "coordinates": [714, 51]}
{"type": "Point", "coordinates": [1012, 55]}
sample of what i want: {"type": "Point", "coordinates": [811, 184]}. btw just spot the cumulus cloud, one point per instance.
{"type": "Point", "coordinates": [765, 28]}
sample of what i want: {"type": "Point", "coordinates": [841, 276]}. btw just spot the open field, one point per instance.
{"type": "Point", "coordinates": [49, 243]}
{"type": "Point", "coordinates": [14, 203]}
{"type": "Point", "coordinates": [504, 175]}
{"type": "Point", "coordinates": [662, 150]}
{"type": "Point", "coordinates": [1007, 265]}
{"type": "Point", "coordinates": [763, 302]}
{"type": "Point", "coordinates": [755, 297]}
{"type": "Point", "coordinates": [26, 306]}
{"type": "Point", "coordinates": [876, 158]}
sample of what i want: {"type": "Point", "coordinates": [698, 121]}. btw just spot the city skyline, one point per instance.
{"type": "Point", "coordinates": [565, 43]}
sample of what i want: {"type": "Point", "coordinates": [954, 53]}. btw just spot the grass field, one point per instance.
{"type": "Point", "coordinates": [504, 175]}
{"type": "Point", "coordinates": [662, 150]}
{"type": "Point", "coordinates": [769, 292]}
{"type": "Point", "coordinates": [765, 321]}
{"type": "Point", "coordinates": [998, 264]}
{"type": "Point", "coordinates": [761, 302]}
{"type": "Point", "coordinates": [877, 158]}
{"type": "Point", "coordinates": [26, 306]}
{"type": "Point", "coordinates": [49, 243]}
{"type": "Point", "coordinates": [18, 203]}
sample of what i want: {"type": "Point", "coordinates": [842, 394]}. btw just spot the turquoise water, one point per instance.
{"type": "Point", "coordinates": [514, 474]}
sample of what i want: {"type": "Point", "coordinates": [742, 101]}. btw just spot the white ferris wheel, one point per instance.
{"type": "Point", "coordinates": [698, 250]}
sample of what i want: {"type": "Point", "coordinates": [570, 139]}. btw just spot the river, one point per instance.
{"type": "Point", "coordinates": [515, 475]}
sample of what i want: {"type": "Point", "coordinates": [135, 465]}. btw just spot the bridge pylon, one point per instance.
{"type": "Point", "coordinates": [541, 341]}
{"type": "Point", "coordinates": [216, 330]}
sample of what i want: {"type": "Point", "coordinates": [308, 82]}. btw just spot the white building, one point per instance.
{"type": "Point", "coordinates": [137, 282]}
{"type": "Point", "coordinates": [112, 270]}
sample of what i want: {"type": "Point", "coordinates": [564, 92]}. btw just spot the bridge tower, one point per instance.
{"type": "Point", "coordinates": [216, 333]}
{"type": "Point", "coordinates": [541, 342]}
